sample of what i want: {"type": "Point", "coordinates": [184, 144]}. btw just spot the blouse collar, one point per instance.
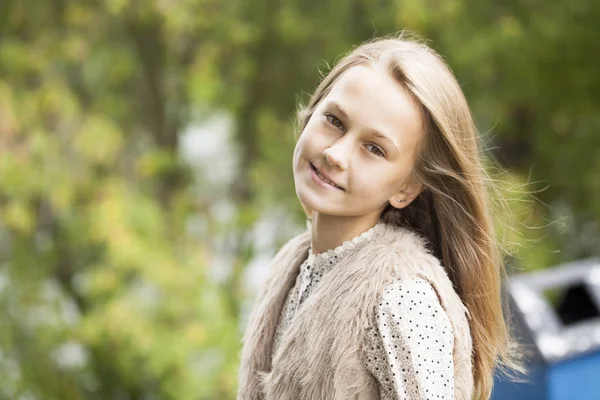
{"type": "Point", "coordinates": [342, 248]}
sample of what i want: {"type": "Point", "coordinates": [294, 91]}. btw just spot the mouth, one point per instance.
{"type": "Point", "coordinates": [323, 179]}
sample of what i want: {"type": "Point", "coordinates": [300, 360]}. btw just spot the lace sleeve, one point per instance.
{"type": "Point", "coordinates": [409, 344]}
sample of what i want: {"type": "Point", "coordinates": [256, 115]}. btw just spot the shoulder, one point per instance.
{"type": "Point", "coordinates": [299, 242]}
{"type": "Point", "coordinates": [412, 295]}
{"type": "Point", "coordinates": [412, 305]}
{"type": "Point", "coordinates": [289, 254]}
{"type": "Point", "coordinates": [411, 287]}
{"type": "Point", "coordinates": [410, 309]}
{"type": "Point", "coordinates": [402, 249]}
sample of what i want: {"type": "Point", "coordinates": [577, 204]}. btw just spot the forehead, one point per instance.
{"type": "Point", "coordinates": [373, 100]}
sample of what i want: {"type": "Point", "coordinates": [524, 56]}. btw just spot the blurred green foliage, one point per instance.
{"type": "Point", "coordinates": [105, 290]}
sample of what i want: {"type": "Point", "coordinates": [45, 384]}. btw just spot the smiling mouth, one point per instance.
{"type": "Point", "coordinates": [323, 178]}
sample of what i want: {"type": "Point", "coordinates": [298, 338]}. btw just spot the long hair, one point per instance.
{"type": "Point", "coordinates": [455, 209]}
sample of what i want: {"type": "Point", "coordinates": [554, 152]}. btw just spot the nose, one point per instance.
{"type": "Point", "coordinates": [338, 153]}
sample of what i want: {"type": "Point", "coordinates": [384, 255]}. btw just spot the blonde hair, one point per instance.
{"type": "Point", "coordinates": [454, 211]}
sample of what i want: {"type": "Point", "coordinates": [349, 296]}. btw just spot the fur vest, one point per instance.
{"type": "Point", "coordinates": [321, 353]}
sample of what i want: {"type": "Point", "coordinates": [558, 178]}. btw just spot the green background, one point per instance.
{"type": "Point", "coordinates": [125, 256]}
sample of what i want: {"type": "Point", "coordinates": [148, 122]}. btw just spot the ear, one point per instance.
{"type": "Point", "coordinates": [406, 195]}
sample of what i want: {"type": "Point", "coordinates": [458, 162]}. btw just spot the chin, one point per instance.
{"type": "Point", "coordinates": [315, 202]}
{"type": "Point", "coordinates": [318, 206]}
{"type": "Point", "coordinates": [308, 201]}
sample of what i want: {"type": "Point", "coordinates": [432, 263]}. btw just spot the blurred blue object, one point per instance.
{"type": "Point", "coordinates": [556, 317]}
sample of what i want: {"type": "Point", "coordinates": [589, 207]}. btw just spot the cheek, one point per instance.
{"type": "Point", "coordinates": [297, 149]}
{"type": "Point", "coordinates": [300, 150]}
{"type": "Point", "coordinates": [364, 184]}
{"type": "Point", "coordinates": [303, 150]}
{"type": "Point", "coordinates": [373, 185]}
{"type": "Point", "coordinates": [309, 141]}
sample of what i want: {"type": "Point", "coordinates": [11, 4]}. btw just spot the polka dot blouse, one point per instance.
{"type": "Point", "coordinates": [409, 341]}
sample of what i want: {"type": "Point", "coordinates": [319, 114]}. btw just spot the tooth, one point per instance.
{"type": "Point", "coordinates": [331, 183]}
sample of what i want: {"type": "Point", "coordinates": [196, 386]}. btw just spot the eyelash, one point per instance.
{"type": "Point", "coordinates": [327, 116]}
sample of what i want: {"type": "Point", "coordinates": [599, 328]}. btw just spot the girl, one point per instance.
{"type": "Point", "coordinates": [394, 289]}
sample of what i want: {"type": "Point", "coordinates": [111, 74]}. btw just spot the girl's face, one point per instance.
{"type": "Point", "coordinates": [362, 137]}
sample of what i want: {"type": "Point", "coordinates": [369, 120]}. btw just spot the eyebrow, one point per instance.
{"type": "Point", "coordinates": [373, 132]}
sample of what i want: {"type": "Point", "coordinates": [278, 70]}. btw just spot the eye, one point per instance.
{"type": "Point", "coordinates": [333, 120]}
{"type": "Point", "coordinates": [377, 151]}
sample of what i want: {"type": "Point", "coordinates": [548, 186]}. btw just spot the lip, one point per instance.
{"type": "Point", "coordinates": [322, 182]}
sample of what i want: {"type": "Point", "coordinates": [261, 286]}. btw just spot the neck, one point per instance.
{"type": "Point", "coordinates": [330, 231]}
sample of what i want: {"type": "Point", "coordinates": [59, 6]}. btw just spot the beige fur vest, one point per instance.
{"type": "Point", "coordinates": [321, 353]}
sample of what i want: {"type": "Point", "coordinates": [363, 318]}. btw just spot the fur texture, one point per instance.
{"type": "Point", "coordinates": [321, 353]}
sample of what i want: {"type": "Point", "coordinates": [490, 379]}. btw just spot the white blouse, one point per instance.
{"type": "Point", "coordinates": [409, 341]}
